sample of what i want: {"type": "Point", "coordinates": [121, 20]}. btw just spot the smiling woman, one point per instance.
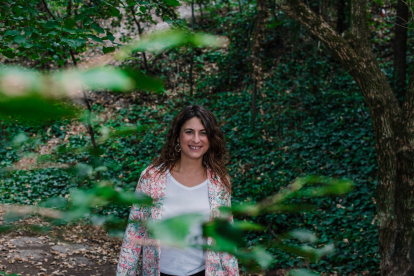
{"type": "Point", "coordinates": [188, 177]}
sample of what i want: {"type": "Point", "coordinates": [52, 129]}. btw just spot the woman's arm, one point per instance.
{"type": "Point", "coordinates": [134, 235]}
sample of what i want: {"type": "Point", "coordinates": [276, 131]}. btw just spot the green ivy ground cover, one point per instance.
{"type": "Point", "coordinates": [326, 132]}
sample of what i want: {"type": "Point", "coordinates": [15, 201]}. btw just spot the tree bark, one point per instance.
{"type": "Point", "coordinates": [340, 16]}
{"type": "Point", "coordinates": [324, 9]}
{"type": "Point", "coordinates": [400, 49]}
{"type": "Point", "coordinates": [393, 131]}
{"type": "Point", "coordinates": [258, 37]}
{"type": "Point", "coordinates": [192, 51]}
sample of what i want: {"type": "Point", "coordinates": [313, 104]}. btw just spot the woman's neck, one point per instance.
{"type": "Point", "coordinates": [190, 166]}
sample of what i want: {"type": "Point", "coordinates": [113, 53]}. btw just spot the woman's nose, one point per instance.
{"type": "Point", "coordinates": [196, 138]}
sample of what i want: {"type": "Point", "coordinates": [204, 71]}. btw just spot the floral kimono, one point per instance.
{"type": "Point", "coordinates": [153, 184]}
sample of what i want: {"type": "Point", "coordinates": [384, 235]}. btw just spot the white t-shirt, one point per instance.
{"type": "Point", "coordinates": [179, 200]}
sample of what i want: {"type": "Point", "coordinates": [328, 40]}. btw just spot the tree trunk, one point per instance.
{"type": "Point", "coordinates": [340, 16]}
{"type": "Point", "coordinates": [400, 49]}
{"type": "Point", "coordinates": [192, 51]}
{"type": "Point", "coordinates": [393, 131]}
{"type": "Point", "coordinates": [324, 9]}
{"type": "Point", "coordinates": [254, 104]}
{"type": "Point", "coordinates": [258, 38]}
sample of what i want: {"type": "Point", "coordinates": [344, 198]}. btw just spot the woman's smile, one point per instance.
{"type": "Point", "coordinates": [195, 148]}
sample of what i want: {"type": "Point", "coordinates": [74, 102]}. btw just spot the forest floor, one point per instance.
{"type": "Point", "coordinates": [73, 250]}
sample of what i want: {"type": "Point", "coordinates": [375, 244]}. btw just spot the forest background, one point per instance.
{"type": "Point", "coordinates": [303, 115]}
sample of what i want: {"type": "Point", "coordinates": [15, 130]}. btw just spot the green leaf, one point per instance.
{"type": "Point", "coordinates": [79, 17]}
{"type": "Point", "coordinates": [95, 38]}
{"type": "Point", "coordinates": [173, 231]}
{"type": "Point", "coordinates": [69, 23]}
{"type": "Point", "coordinates": [35, 107]}
{"type": "Point", "coordinates": [114, 11]}
{"type": "Point", "coordinates": [97, 28]}
{"type": "Point", "coordinates": [12, 32]}
{"type": "Point", "coordinates": [110, 36]}
{"type": "Point", "coordinates": [28, 32]}
{"type": "Point", "coordinates": [163, 40]}
{"type": "Point", "coordinates": [107, 78]}
{"type": "Point", "coordinates": [19, 39]}
{"type": "Point", "coordinates": [144, 82]}
{"type": "Point", "coordinates": [244, 209]}
{"type": "Point", "coordinates": [247, 225]}
{"type": "Point", "coordinates": [73, 42]}
{"type": "Point", "coordinates": [302, 272]}
{"type": "Point", "coordinates": [302, 235]}
{"type": "Point", "coordinates": [107, 50]}
{"type": "Point", "coordinates": [99, 78]}
{"type": "Point", "coordinates": [8, 54]}
{"type": "Point", "coordinates": [28, 45]}
{"type": "Point", "coordinates": [173, 3]}
{"type": "Point", "coordinates": [262, 256]}
{"type": "Point", "coordinates": [289, 208]}
{"type": "Point", "coordinates": [55, 202]}
{"type": "Point", "coordinates": [205, 40]}
{"type": "Point", "coordinates": [226, 235]}
{"type": "Point", "coordinates": [51, 24]}
{"type": "Point", "coordinates": [69, 31]}
{"type": "Point", "coordinates": [143, 9]}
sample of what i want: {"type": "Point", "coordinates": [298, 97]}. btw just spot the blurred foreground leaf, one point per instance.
{"type": "Point", "coordinates": [164, 40]}
{"type": "Point", "coordinates": [173, 231]}
{"type": "Point", "coordinates": [36, 107]}
{"type": "Point", "coordinates": [302, 235]}
{"type": "Point", "coordinates": [302, 272]}
{"type": "Point", "coordinates": [227, 236]}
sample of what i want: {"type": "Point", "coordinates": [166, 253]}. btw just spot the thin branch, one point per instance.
{"type": "Point", "coordinates": [88, 119]}
{"type": "Point", "coordinates": [273, 233]}
{"type": "Point", "coordinates": [47, 9]}
{"type": "Point", "coordinates": [140, 32]}
{"type": "Point", "coordinates": [73, 57]}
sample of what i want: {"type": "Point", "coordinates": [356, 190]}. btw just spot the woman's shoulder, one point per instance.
{"type": "Point", "coordinates": [217, 182]}
{"type": "Point", "coordinates": [150, 170]}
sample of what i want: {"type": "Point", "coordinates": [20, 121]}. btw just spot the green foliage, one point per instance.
{"type": "Point", "coordinates": [47, 35]}
{"type": "Point", "coordinates": [84, 203]}
{"type": "Point", "coordinates": [313, 122]}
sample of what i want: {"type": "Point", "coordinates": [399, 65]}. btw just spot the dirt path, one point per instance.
{"type": "Point", "coordinates": [77, 250]}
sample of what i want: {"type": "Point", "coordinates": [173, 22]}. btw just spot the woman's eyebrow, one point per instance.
{"type": "Point", "coordinates": [193, 129]}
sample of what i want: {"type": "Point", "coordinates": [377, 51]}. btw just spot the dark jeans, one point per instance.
{"type": "Point", "coordinates": [201, 273]}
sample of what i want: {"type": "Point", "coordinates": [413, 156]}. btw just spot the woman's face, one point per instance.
{"type": "Point", "coordinates": [193, 139]}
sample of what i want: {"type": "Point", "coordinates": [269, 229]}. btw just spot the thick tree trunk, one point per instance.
{"type": "Point", "coordinates": [400, 49]}
{"type": "Point", "coordinates": [393, 130]}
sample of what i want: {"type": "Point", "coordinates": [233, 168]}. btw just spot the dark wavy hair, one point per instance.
{"type": "Point", "coordinates": [216, 155]}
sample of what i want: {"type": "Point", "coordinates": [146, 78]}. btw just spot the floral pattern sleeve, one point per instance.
{"type": "Point", "coordinates": [228, 261]}
{"type": "Point", "coordinates": [131, 248]}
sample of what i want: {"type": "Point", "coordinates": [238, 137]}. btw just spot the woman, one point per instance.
{"type": "Point", "coordinates": [189, 176]}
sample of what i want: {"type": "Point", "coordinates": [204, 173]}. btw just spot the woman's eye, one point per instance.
{"type": "Point", "coordinates": [188, 132]}
{"type": "Point", "coordinates": [203, 133]}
